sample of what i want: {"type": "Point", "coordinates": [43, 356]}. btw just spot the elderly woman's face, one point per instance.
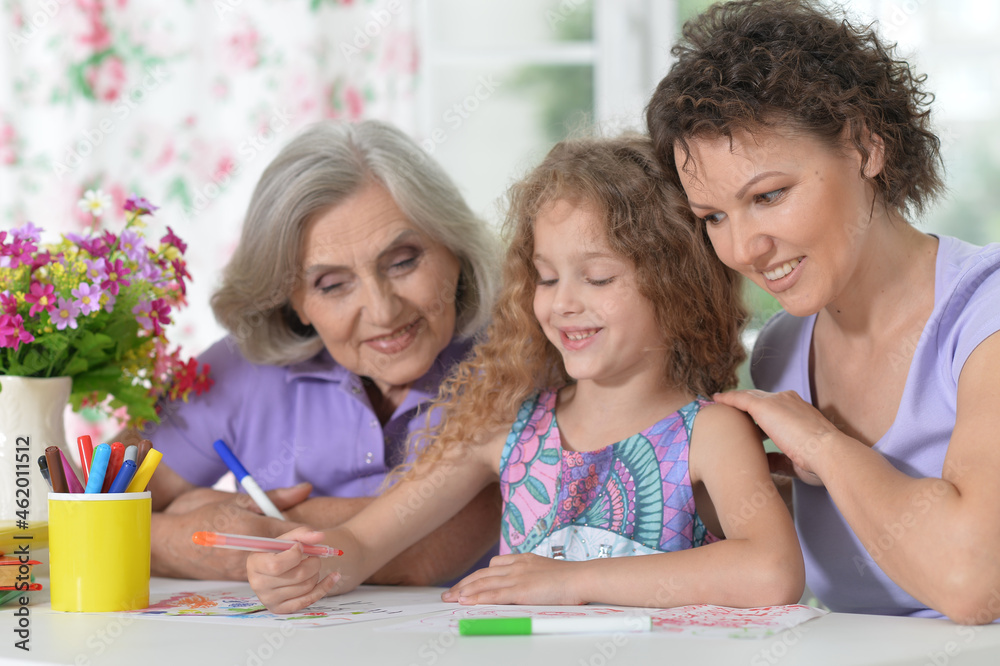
{"type": "Point", "coordinates": [379, 292]}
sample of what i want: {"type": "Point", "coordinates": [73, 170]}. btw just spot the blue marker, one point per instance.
{"type": "Point", "coordinates": [247, 481]}
{"type": "Point", "coordinates": [98, 468]}
{"type": "Point", "coordinates": [125, 474]}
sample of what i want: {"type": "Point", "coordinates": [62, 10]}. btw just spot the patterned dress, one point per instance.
{"type": "Point", "coordinates": [633, 497]}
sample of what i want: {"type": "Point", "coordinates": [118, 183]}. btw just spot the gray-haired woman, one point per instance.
{"type": "Point", "coordinates": [360, 278]}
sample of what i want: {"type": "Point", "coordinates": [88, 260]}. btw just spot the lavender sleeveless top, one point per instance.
{"type": "Point", "coordinates": [629, 498]}
{"type": "Point", "coordinates": [839, 570]}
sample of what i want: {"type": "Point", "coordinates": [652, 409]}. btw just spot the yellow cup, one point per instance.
{"type": "Point", "coordinates": [99, 551]}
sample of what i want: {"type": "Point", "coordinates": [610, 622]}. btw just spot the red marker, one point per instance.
{"type": "Point", "coordinates": [114, 464]}
{"type": "Point", "coordinates": [86, 453]}
{"type": "Point", "coordinates": [260, 544]}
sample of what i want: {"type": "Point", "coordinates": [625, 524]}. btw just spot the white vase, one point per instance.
{"type": "Point", "coordinates": [32, 410]}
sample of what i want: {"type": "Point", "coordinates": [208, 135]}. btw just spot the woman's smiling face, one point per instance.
{"type": "Point", "coordinates": [379, 292]}
{"type": "Point", "coordinates": [784, 209]}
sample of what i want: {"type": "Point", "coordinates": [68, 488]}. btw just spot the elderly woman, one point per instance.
{"type": "Point", "coordinates": [804, 147]}
{"type": "Point", "coordinates": [360, 279]}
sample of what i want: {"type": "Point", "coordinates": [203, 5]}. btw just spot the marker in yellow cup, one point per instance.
{"type": "Point", "coordinates": [145, 471]}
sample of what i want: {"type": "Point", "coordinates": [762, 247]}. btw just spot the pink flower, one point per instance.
{"type": "Point", "coordinates": [42, 296]}
{"type": "Point", "coordinates": [243, 47]}
{"type": "Point", "coordinates": [89, 297]}
{"type": "Point", "coordinates": [107, 78]}
{"type": "Point", "coordinates": [114, 278]}
{"type": "Point", "coordinates": [355, 103]}
{"type": "Point", "coordinates": [151, 315]}
{"type": "Point", "coordinates": [139, 205]}
{"type": "Point", "coordinates": [173, 239]}
{"type": "Point", "coordinates": [19, 252]}
{"type": "Point", "coordinates": [8, 304]}
{"type": "Point", "coordinates": [8, 153]}
{"type": "Point", "coordinates": [66, 314]}
{"type": "Point", "coordinates": [12, 332]}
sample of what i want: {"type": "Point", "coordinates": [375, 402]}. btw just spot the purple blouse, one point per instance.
{"type": "Point", "coordinates": [310, 421]}
{"type": "Point", "coordinates": [839, 570]}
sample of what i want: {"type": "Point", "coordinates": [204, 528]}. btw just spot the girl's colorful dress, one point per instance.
{"type": "Point", "coordinates": [633, 497]}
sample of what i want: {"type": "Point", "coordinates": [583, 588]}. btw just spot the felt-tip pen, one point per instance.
{"type": "Point", "coordinates": [526, 626]}
{"type": "Point", "coordinates": [247, 481]}
{"type": "Point", "coordinates": [261, 544]}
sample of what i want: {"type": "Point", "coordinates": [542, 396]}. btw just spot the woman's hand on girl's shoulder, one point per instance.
{"type": "Point", "coordinates": [796, 427]}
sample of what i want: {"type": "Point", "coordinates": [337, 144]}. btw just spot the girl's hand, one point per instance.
{"type": "Point", "coordinates": [289, 581]}
{"type": "Point", "coordinates": [795, 427]}
{"type": "Point", "coordinates": [519, 579]}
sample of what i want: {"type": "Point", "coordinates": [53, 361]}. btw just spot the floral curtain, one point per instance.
{"type": "Point", "coordinates": [183, 103]}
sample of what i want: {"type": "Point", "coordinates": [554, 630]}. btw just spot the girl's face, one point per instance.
{"type": "Point", "coordinates": [785, 210]}
{"type": "Point", "coordinates": [587, 300]}
{"type": "Point", "coordinates": [380, 293]}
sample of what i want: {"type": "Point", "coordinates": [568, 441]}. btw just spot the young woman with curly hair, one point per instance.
{"type": "Point", "coordinates": [612, 325]}
{"type": "Point", "coordinates": [804, 148]}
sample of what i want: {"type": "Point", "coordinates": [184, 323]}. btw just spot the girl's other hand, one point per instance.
{"type": "Point", "coordinates": [519, 579]}
{"type": "Point", "coordinates": [289, 581]}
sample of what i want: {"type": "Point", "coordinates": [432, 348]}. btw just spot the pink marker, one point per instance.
{"type": "Point", "coordinates": [260, 544]}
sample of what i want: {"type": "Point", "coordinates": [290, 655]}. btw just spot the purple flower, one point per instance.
{"type": "Point", "coordinates": [95, 270]}
{"type": "Point", "coordinates": [114, 277]}
{"type": "Point", "coordinates": [151, 315]}
{"type": "Point", "coordinates": [139, 205]}
{"type": "Point", "coordinates": [149, 272]}
{"type": "Point", "coordinates": [109, 306]}
{"type": "Point", "coordinates": [66, 314]}
{"type": "Point", "coordinates": [27, 232]}
{"type": "Point", "coordinates": [88, 297]}
{"type": "Point", "coordinates": [173, 239]}
{"type": "Point", "coordinates": [132, 245]}
{"type": "Point", "coordinates": [12, 332]}
{"type": "Point", "coordinates": [42, 297]}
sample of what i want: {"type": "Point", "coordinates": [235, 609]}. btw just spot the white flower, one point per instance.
{"type": "Point", "coordinates": [94, 202]}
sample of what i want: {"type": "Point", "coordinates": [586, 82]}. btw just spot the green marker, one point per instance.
{"type": "Point", "coordinates": [526, 626]}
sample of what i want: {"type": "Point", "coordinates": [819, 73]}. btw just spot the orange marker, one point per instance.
{"type": "Point", "coordinates": [261, 544]}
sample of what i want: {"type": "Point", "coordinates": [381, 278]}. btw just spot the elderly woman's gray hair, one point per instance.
{"type": "Point", "coordinates": [320, 168]}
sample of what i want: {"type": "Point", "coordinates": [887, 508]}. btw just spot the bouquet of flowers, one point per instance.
{"type": "Point", "coordinates": [94, 308]}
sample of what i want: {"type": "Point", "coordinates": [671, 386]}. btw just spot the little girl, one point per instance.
{"type": "Point", "coordinates": [586, 401]}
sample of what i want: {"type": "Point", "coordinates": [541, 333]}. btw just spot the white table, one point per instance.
{"type": "Point", "coordinates": [116, 639]}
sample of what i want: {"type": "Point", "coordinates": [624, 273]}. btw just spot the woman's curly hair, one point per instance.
{"type": "Point", "coordinates": [757, 64]}
{"type": "Point", "coordinates": [696, 299]}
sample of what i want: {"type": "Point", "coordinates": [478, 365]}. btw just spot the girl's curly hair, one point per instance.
{"type": "Point", "coordinates": [696, 299]}
{"type": "Point", "coordinates": [758, 64]}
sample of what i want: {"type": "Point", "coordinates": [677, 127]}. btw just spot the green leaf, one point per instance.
{"type": "Point", "coordinates": [76, 365]}
{"type": "Point", "coordinates": [537, 489]}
